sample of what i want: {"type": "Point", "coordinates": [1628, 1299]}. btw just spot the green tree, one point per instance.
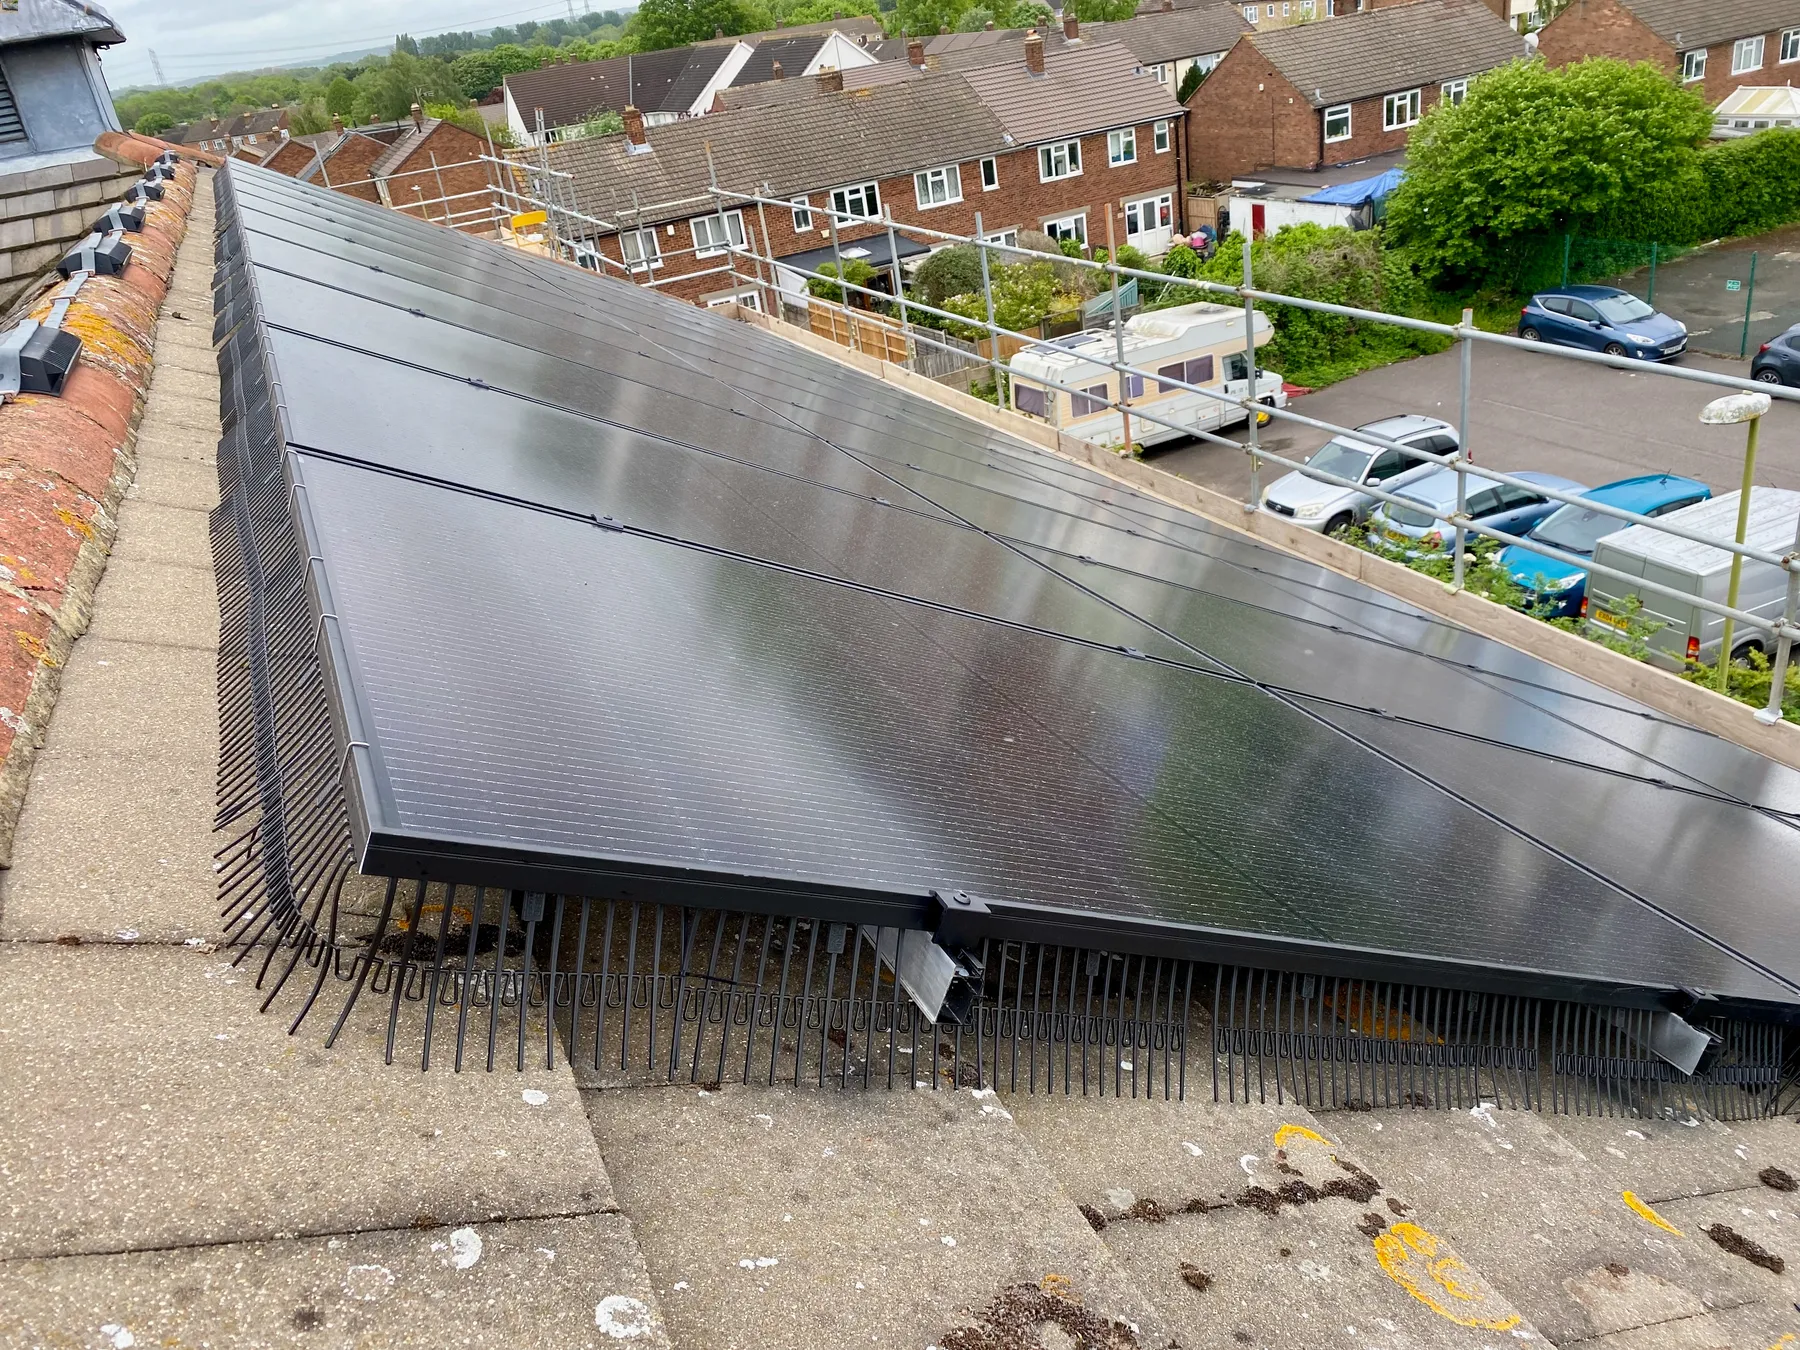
{"type": "Point", "coordinates": [388, 92]}
{"type": "Point", "coordinates": [856, 273]}
{"type": "Point", "coordinates": [478, 74]}
{"type": "Point", "coordinates": [948, 272]}
{"type": "Point", "coordinates": [821, 11]}
{"type": "Point", "coordinates": [1534, 150]}
{"type": "Point", "coordinates": [1191, 81]}
{"type": "Point", "coordinates": [1101, 11]}
{"type": "Point", "coordinates": [659, 24]}
{"type": "Point", "coordinates": [340, 97]}
{"type": "Point", "coordinates": [925, 17]}
{"type": "Point", "coordinates": [309, 119]}
{"type": "Point", "coordinates": [406, 44]}
{"type": "Point", "coordinates": [153, 124]}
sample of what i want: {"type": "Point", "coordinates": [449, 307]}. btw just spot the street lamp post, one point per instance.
{"type": "Point", "coordinates": [1729, 411]}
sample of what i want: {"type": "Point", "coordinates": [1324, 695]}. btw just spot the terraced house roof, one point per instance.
{"type": "Point", "coordinates": [1700, 23]}
{"type": "Point", "coordinates": [1381, 50]}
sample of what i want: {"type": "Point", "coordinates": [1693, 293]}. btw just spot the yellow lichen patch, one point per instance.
{"type": "Point", "coordinates": [1422, 1264]}
{"type": "Point", "coordinates": [34, 647]}
{"type": "Point", "coordinates": [1058, 1286]}
{"type": "Point", "coordinates": [102, 338]}
{"type": "Point", "coordinates": [74, 522]}
{"type": "Point", "coordinates": [1648, 1215]}
{"type": "Point", "coordinates": [1288, 1133]}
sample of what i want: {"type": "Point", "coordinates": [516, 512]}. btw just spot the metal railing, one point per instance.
{"type": "Point", "coordinates": [575, 230]}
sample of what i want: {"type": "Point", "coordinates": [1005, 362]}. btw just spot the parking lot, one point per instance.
{"type": "Point", "coordinates": [1528, 411]}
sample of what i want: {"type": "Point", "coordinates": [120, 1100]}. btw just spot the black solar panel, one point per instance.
{"type": "Point", "coordinates": [622, 596]}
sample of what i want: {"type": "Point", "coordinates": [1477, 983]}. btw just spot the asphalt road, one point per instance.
{"type": "Point", "coordinates": [1527, 411]}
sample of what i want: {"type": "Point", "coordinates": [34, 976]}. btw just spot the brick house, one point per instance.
{"type": "Point", "coordinates": [1332, 93]}
{"type": "Point", "coordinates": [256, 130]}
{"type": "Point", "coordinates": [1712, 47]}
{"type": "Point", "coordinates": [422, 166]}
{"type": "Point", "coordinates": [1044, 143]}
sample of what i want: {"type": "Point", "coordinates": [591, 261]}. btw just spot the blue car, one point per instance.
{"type": "Point", "coordinates": [1602, 319]}
{"type": "Point", "coordinates": [1557, 590]}
{"type": "Point", "coordinates": [1422, 525]}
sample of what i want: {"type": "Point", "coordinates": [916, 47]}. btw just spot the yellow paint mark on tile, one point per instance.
{"type": "Point", "coordinates": [1290, 1132]}
{"type": "Point", "coordinates": [1648, 1215]}
{"type": "Point", "coordinates": [1423, 1264]}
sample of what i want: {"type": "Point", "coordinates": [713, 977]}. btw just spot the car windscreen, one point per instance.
{"type": "Point", "coordinates": [1623, 309]}
{"type": "Point", "coordinates": [1576, 528]}
{"type": "Point", "coordinates": [1341, 458]}
{"type": "Point", "coordinates": [1413, 517]}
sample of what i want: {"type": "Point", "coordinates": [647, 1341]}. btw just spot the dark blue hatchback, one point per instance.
{"type": "Point", "coordinates": [1602, 319]}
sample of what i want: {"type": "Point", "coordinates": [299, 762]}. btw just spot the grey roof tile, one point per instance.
{"type": "Point", "coordinates": [1083, 89]}
{"type": "Point", "coordinates": [1382, 50]}
{"type": "Point", "coordinates": [408, 141]}
{"type": "Point", "coordinates": [648, 80]}
{"type": "Point", "coordinates": [1701, 23]}
{"type": "Point", "coordinates": [793, 52]}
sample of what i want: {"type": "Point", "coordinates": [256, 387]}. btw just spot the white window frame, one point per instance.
{"type": "Point", "coordinates": [1306, 8]}
{"type": "Point", "coordinates": [1453, 91]}
{"type": "Point", "coordinates": [746, 296]}
{"type": "Point", "coordinates": [1250, 13]}
{"type": "Point", "coordinates": [1269, 11]}
{"type": "Point", "coordinates": [1067, 152]}
{"type": "Point", "coordinates": [647, 260]}
{"type": "Point", "coordinates": [1693, 65]}
{"type": "Point", "coordinates": [1009, 237]}
{"type": "Point", "coordinates": [1140, 205]}
{"type": "Point", "coordinates": [1164, 72]}
{"type": "Point", "coordinates": [1121, 147]}
{"type": "Point", "coordinates": [1408, 102]}
{"type": "Point", "coordinates": [990, 174]}
{"type": "Point", "coordinates": [1790, 46]}
{"type": "Point", "coordinates": [928, 182]}
{"type": "Point", "coordinates": [1160, 139]}
{"type": "Point", "coordinates": [709, 247]}
{"type": "Point", "coordinates": [1741, 48]}
{"type": "Point", "coordinates": [802, 208]}
{"type": "Point", "coordinates": [861, 200]}
{"type": "Point", "coordinates": [1075, 225]}
{"type": "Point", "coordinates": [1331, 113]}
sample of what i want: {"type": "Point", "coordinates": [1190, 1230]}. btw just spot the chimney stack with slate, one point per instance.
{"type": "Point", "coordinates": [776, 72]}
{"type": "Point", "coordinates": [418, 116]}
{"type": "Point", "coordinates": [1071, 27]}
{"type": "Point", "coordinates": [831, 80]}
{"type": "Point", "coordinates": [1034, 52]}
{"type": "Point", "coordinates": [634, 125]}
{"type": "Point", "coordinates": [915, 53]}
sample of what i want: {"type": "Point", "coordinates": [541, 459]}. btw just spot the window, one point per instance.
{"type": "Point", "coordinates": [1337, 123]}
{"type": "Point", "coordinates": [1269, 11]}
{"type": "Point", "coordinates": [1286, 8]}
{"type": "Point", "coordinates": [1008, 237]}
{"type": "Point", "coordinates": [1068, 227]}
{"type": "Point", "coordinates": [1454, 91]}
{"type": "Point", "coordinates": [1152, 213]}
{"type": "Point", "coordinates": [1583, 312]}
{"type": "Point", "coordinates": [640, 250]}
{"type": "Point", "coordinates": [1693, 65]}
{"type": "Point", "coordinates": [1747, 54]}
{"type": "Point", "coordinates": [713, 234]}
{"type": "Point", "coordinates": [861, 200]}
{"type": "Point", "coordinates": [1484, 503]}
{"type": "Point", "coordinates": [1159, 137]}
{"type": "Point", "coordinates": [1164, 73]}
{"type": "Point", "coordinates": [1306, 8]}
{"type": "Point", "coordinates": [938, 187]}
{"type": "Point", "coordinates": [1194, 370]}
{"type": "Point", "coordinates": [1062, 160]}
{"type": "Point", "coordinates": [1121, 147]}
{"type": "Point", "coordinates": [1790, 45]}
{"type": "Point", "coordinates": [1400, 110]}
{"type": "Point", "coordinates": [990, 174]}
{"type": "Point", "coordinates": [1134, 386]}
{"type": "Point", "coordinates": [1029, 398]}
{"type": "Point", "coordinates": [1089, 401]}
{"type": "Point", "coordinates": [748, 299]}
{"type": "Point", "coordinates": [802, 214]}
{"type": "Point", "coordinates": [1249, 13]}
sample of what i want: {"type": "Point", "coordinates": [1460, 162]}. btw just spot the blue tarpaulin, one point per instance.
{"type": "Point", "coordinates": [1362, 190]}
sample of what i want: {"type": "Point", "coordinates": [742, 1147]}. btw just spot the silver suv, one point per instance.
{"type": "Point", "coordinates": [1316, 505]}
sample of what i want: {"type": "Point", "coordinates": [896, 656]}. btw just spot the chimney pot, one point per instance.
{"type": "Point", "coordinates": [337, 124]}
{"type": "Point", "coordinates": [943, 28]}
{"type": "Point", "coordinates": [988, 27]}
{"type": "Point", "coordinates": [634, 125]}
{"type": "Point", "coordinates": [831, 80]}
{"type": "Point", "coordinates": [718, 33]}
{"type": "Point", "coordinates": [1034, 52]}
{"type": "Point", "coordinates": [1071, 27]}
{"type": "Point", "coordinates": [418, 116]}
{"type": "Point", "coordinates": [1168, 6]}
{"type": "Point", "coordinates": [915, 53]}
{"type": "Point", "coordinates": [777, 71]}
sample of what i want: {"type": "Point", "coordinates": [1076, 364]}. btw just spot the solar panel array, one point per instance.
{"type": "Point", "coordinates": [619, 596]}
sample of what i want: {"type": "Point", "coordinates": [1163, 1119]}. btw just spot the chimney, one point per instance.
{"type": "Point", "coordinates": [915, 53]}
{"type": "Point", "coordinates": [634, 125]}
{"type": "Point", "coordinates": [943, 28]}
{"type": "Point", "coordinates": [1168, 6]}
{"type": "Point", "coordinates": [418, 116]}
{"type": "Point", "coordinates": [988, 27]}
{"type": "Point", "coordinates": [831, 80]}
{"type": "Point", "coordinates": [1071, 27]}
{"type": "Point", "coordinates": [337, 125]}
{"type": "Point", "coordinates": [776, 72]}
{"type": "Point", "coordinates": [1034, 52]}
{"type": "Point", "coordinates": [718, 33]}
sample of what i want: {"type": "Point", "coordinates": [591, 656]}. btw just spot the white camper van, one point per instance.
{"type": "Point", "coordinates": [1200, 344]}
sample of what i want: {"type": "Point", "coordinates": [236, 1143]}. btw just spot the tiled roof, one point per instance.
{"type": "Point", "coordinates": [647, 81]}
{"type": "Point", "coordinates": [256, 123]}
{"type": "Point", "coordinates": [1701, 23]}
{"type": "Point", "coordinates": [1083, 89]}
{"type": "Point", "coordinates": [1381, 50]}
{"type": "Point", "coordinates": [1157, 37]}
{"type": "Point", "coordinates": [34, 20]}
{"type": "Point", "coordinates": [810, 146]}
{"type": "Point", "coordinates": [797, 89]}
{"type": "Point", "coordinates": [385, 132]}
{"type": "Point", "coordinates": [793, 52]}
{"type": "Point", "coordinates": [408, 141]}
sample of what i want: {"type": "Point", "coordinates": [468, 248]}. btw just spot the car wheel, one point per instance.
{"type": "Point", "coordinates": [1614, 349]}
{"type": "Point", "coordinates": [1767, 375]}
{"type": "Point", "coordinates": [1262, 418]}
{"type": "Point", "coordinates": [1531, 335]}
{"type": "Point", "coordinates": [1339, 525]}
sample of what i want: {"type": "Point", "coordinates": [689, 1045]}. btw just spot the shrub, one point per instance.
{"type": "Point", "coordinates": [856, 272]}
{"type": "Point", "coordinates": [948, 272]}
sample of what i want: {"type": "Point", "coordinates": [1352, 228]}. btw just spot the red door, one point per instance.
{"type": "Point", "coordinates": [1256, 220]}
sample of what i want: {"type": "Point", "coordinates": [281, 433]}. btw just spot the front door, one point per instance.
{"type": "Point", "coordinates": [1150, 223]}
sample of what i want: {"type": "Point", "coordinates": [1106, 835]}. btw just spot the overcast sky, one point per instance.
{"type": "Point", "coordinates": [208, 37]}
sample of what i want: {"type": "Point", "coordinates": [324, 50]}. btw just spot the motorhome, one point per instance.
{"type": "Point", "coordinates": [1070, 382]}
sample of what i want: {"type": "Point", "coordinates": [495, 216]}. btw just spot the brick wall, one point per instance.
{"type": "Point", "coordinates": [291, 159]}
{"type": "Point", "coordinates": [1608, 28]}
{"type": "Point", "coordinates": [1020, 201]}
{"type": "Point", "coordinates": [465, 180]}
{"type": "Point", "coordinates": [1720, 81]}
{"type": "Point", "coordinates": [1368, 135]}
{"type": "Point", "coordinates": [351, 165]}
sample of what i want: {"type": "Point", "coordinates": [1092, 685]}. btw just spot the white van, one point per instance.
{"type": "Point", "coordinates": [1688, 632]}
{"type": "Point", "coordinates": [1201, 344]}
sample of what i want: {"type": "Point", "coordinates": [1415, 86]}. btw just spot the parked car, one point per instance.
{"type": "Point", "coordinates": [1332, 508]}
{"type": "Point", "coordinates": [1556, 590]}
{"type": "Point", "coordinates": [1685, 632]}
{"type": "Point", "coordinates": [1603, 319]}
{"type": "Point", "coordinates": [1426, 528]}
{"type": "Point", "coordinates": [1778, 360]}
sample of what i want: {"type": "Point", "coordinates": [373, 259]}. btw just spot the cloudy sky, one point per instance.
{"type": "Point", "coordinates": [207, 37]}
